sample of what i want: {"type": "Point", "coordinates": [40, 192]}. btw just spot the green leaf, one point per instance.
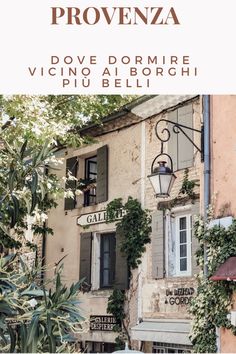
{"type": "Point", "coordinates": [23, 336]}
{"type": "Point", "coordinates": [12, 216]}
{"type": "Point", "coordinates": [11, 179]}
{"type": "Point", "coordinates": [32, 329]}
{"type": "Point", "coordinates": [13, 339]}
{"type": "Point", "coordinates": [34, 183]}
{"type": "Point", "coordinates": [34, 293]}
{"type": "Point", "coordinates": [23, 148]}
{"type": "Point", "coordinates": [33, 202]}
{"type": "Point", "coordinates": [16, 207]}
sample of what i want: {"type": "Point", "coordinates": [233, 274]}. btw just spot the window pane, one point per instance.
{"type": "Point", "coordinates": [107, 264]}
{"type": "Point", "coordinates": [106, 260]}
{"type": "Point", "coordinates": [182, 223]}
{"type": "Point", "coordinates": [183, 251]}
{"type": "Point", "coordinates": [106, 277]}
{"type": "Point", "coordinates": [183, 237]}
{"type": "Point", "coordinates": [92, 167]}
{"type": "Point", "coordinates": [105, 244]}
{"type": "Point", "coordinates": [183, 264]}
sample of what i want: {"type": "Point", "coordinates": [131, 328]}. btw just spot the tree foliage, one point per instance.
{"type": "Point", "coordinates": [33, 128]}
{"type": "Point", "coordinates": [33, 319]}
{"type": "Point", "coordinates": [55, 118]}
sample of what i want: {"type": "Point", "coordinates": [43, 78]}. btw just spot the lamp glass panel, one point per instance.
{"type": "Point", "coordinates": [154, 179]}
{"type": "Point", "coordinates": [165, 183]}
{"type": "Point", "coordinates": [173, 177]}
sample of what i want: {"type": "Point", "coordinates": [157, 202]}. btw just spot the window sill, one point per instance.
{"type": "Point", "coordinates": [105, 292]}
{"type": "Point", "coordinates": [180, 277]}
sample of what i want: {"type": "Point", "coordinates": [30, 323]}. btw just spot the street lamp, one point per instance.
{"type": "Point", "coordinates": [162, 177]}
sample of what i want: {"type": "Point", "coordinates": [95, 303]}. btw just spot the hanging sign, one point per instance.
{"type": "Point", "coordinates": [97, 217]}
{"type": "Point", "coordinates": [102, 323]}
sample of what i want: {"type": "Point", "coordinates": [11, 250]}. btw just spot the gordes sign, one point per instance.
{"type": "Point", "coordinates": [97, 217]}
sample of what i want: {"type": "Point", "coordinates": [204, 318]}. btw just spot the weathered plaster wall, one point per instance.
{"type": "Point", "coordinates": [223, 129]}
{"type": "Point", "coordinates": [153, 291]}
{"type": "Point", "coordinates": [127, 176]}
{"type": "Point", "coordinates": [124, 180]}
{"type": "Point", "coordinates": [223, 113]}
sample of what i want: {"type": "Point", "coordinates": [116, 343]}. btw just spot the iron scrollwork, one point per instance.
{"type": "Point", "coordinates": [165, 134]}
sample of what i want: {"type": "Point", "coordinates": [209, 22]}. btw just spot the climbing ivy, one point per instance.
{"type": "Point", "coordinates": [188, 185]}
{"type": "Point", "coordinates": [134, 228]}
{"type": "Point", "coordinates": [211, 305]}
{"type": "Point", "coordinates": [116, 304]}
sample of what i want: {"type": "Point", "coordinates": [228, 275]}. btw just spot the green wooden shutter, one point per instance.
{"type": "Point", "coordinates": [102, 174]}
{"type": "Point", "coordinates": [112, 251]}
{"type": "Point", "coordinates": [85, 256]}
{"type": "Point", "coordinates": [185, 147]}
{"type": "Point", "coordinates": [179, 147]}
{"type": "Point", "coordinates": [121, 269]}
{"type": "Point", "coordinates": [173, 142]}
{"type": "Point", "coordinates": [195, 243]}
{"type": "Point", "coordinates": [157, 245]}
{"type": "Point", "coordinates": [72, 166]}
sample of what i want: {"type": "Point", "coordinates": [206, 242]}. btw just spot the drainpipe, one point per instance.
{"type": "Point", "coordinates": [141, 269]}
{"type": "Point", "coordinates": [206, 121]}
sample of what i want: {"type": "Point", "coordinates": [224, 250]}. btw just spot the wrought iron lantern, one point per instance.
{"type": "Point", "coordinates": [162, 177]}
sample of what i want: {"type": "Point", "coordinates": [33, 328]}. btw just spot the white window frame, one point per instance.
{"type": "Point", "coordinates": [96, 258]}
{"type": "Point", "coordinates": [188, 217]}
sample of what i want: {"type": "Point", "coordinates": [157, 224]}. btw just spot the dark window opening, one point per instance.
{"type": "Point", "coordinates": [107, 260]}
{"type": "Point", "coordinates": [100, 347]}
{"type": "Point", "coordinates": [90, 176]}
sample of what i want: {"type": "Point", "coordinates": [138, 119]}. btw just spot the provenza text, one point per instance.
{"type": "Point", "coordinates": [114, 15]}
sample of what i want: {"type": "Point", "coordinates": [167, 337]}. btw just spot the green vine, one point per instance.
{"type": "Point", "coordinates": [115, 307]}
{"type": "Point", "coordinates": [211, 305]}
{"type": "Point", "coordinates": [188, 186]}
{"type": "Point", "coordinates": [134, 228]}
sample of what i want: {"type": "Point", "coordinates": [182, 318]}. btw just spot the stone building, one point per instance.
{"type": "Point", "coordinates": [118, 163]}
{"type": "Point", "coordinates": [223, 187]}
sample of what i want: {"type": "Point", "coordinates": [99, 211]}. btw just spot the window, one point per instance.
{"type": "Point", "coordinates": [90, 176]}
{"type": "Point", "coordinates": [107, 260]}
{"type": "Point", "coordinates": [183, 245]}
{"type": "Point", "coordinates": [173, 245]}
{"type": "Point", "coordinates": [179, 147]}
{"type": "Point", "coordinates": [159, 347]}
{"type": "Point", "coordinates": [102, 264]}
{"type": "Point", "coordinates": [178, 244]}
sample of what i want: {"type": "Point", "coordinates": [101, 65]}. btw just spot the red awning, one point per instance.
{"type": "Point", "coordinates": [226, 271]}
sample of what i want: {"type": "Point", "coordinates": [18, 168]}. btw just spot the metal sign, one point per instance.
{"type": "Point", "coordinates": [97, 217]}
{"type": "Point", "coordinates": [102, 323]}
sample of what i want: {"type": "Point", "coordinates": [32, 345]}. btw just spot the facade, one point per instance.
{"type": "Point", "coordinates": [117, 165]}
{"type": "Point", "coordinates": [223, 188]}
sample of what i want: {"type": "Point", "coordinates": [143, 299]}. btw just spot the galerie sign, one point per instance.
{"type": "Point", "coordinates": [97, 217]}
{"type": "Point", "coordinates": [102, 323]}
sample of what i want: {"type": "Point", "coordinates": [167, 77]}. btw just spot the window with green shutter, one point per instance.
{"type": "Point", "coordinates": [180, 148]}
{"type": "Point", "coordinates": [96, 171]}
{"type": "Point", "coordinates": [71, 168]}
